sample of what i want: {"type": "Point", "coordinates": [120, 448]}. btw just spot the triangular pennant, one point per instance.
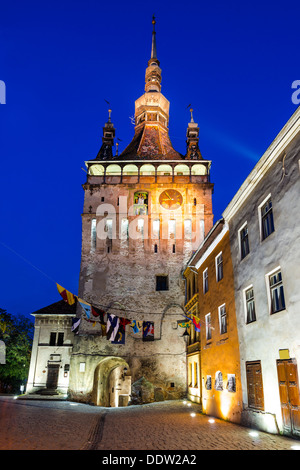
{"type": "Point", "coordinates": [86, 307]}
{"type": "Point", "coordinates": [66, 295]}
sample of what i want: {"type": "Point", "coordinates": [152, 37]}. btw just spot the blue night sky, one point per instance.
{"type": "Point", "coordinates": [233, 61]}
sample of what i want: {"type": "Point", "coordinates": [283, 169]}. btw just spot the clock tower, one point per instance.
{"type": "Point", "coordinates": [145, 211]}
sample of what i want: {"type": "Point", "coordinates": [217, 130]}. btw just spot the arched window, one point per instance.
{"type": "Point", "coordinates": [147, 170]}
{"type": "Point", "coordinates": [199, 169]}
{"type": "Point", "coordinates": [130, 170]}
{"type": "Point", "coordinates": [181, 170]}
{"type": "Point", "coordinates": [164, 170]}
{"type": "Point", "coordinates": [113, 170]}
{"type": "Point", "coordinates": [96, 170]}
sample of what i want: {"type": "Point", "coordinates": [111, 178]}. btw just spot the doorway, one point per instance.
{"type": "Point", "coordinates": [289, 396]}
{"type": "Point", "coordinates": [112, 383]}
{"type": "Point", "coordinates": [52, 376]}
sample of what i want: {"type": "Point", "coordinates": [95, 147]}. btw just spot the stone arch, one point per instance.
{"type": "Point", "coordinates": [112, 382]}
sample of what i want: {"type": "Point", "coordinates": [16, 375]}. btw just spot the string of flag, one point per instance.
{"type": "Point", "coordinates": [113, 326]}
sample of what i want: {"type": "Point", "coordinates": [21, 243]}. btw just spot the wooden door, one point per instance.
{"type": "Point", "coordinates": [52, 377]}
{"type": "Point", "coordinates": [289, 395]}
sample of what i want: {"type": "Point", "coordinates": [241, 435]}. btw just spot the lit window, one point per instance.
{"type": "Point", "coordinates": [250, 305]}
{"type": "Point", "coordinates": [187, 229]}
{"type": "Point", "coordinates": [172, 229]}
{"type": "Point", "coordinates": [222, 319]}
{"type": "Point", "coordinates": [93, 234]}
{"type": "Point", "coordinates": [156, 229]}
{"type": "Point", "coordinates": [108, 228]}
{"type": "Point", "coordinates": [276, 292]}
{"type": "Point", "coordinates": [124, 229]}
{"type": "Point", "coordinates": [219, 267]}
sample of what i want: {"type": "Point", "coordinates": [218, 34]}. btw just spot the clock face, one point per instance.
{"type": "Point", "coordinates": [170, 199]}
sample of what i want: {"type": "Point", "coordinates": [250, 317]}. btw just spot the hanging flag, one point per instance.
{"type": "Point", "coordinates": [75, 325]}
{"type": "Point", "coordinates": [148, 331]}
{"type": "Point", "coordinates": [196, 322]}
{"type": "Point", "coordinates": [98, 312]}
{"type": "Point", "coordinates": [66, 295]}
{"type": "Point", "coordinates": [86, 307]}
{"type": "Point", "coordinates": [112, 326]}
{"type": "Point", "coordinates": [136, 325]}
{"type": "Point", "coordinates": [184, 324]}
{"type": "Point", "coordinates": [120, 335]}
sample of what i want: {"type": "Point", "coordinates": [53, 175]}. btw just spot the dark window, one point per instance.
{"type": "Point", "coordinates": [173, 248]}
{"type": "Point", "coordinates": [219, 267]}
{"type": "Point", "coordinates": [205, 281]}
{"type": "Point", "coordinates": [277, 293]}
{"type": "Point", "coordinates": [255, 385]}
{"type": "Point", "coordinates": [155, 248]}
{"type": "Point", "coordinates": [250, 305]}
{"type": "Point", "coordinates": [244, 242]}
{"type": "Point", "coordinates": [52, 339]}
{"type": "Point", "coordinates": [267, 222]}
{"type": "Point", "coordinates": [60, 340]}
{"type": "Point", "coordinates": [162, 283]}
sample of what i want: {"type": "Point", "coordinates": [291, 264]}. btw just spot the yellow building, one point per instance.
{"type": "Point", "coordinates": [213, 354]}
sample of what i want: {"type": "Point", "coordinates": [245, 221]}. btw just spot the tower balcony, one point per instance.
{"type": "Point", "coordinates": [120, 172]}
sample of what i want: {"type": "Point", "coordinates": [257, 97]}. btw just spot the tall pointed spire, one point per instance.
{"type": "Point", "coordinates": [153, 48]}
{"type": "Point", "coordinates": [153, 72]}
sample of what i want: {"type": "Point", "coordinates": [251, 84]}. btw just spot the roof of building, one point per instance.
{"type": "Point", "coordinates": [57, 308]}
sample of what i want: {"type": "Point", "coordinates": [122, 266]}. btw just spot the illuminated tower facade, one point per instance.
{"type": "Point", "coordinates": [145, 211]}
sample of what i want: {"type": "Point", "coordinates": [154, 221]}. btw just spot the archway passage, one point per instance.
{"type": "Point", "coordinates": [112, 383]}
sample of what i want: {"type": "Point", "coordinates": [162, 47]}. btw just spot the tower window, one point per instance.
{"type": "Point", "coordinates": [93, 234]}
{"type": "Point", "coordinates": [174, 249]}
{"type": "Point", "coordinates": [155, 248]}
{"type": "Point", "coordinates": [162, 283]}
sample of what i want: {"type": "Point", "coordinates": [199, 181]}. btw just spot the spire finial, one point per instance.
{"type": "Point", "coordinates": [153, 48]}
{"type": "Point", "coordinates": [191, 111]}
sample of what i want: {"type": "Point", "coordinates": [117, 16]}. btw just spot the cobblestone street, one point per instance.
{"type": "Point", "coordinates": [166, 426]}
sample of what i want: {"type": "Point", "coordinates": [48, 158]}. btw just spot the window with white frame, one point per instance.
{"type": "Point", "coordinates": [250, 305]}
{"type": "Point", "coordinates": [244, 241]}
{"type": "Point", "coordinates": [222, 319]}
{"type": "Point", "coordinates": [277, 300]}
{"type": "Point", "coordinates": [205, 280]}
{"type": "Point", "coordinates": [219, 267]}
{"type": "Point", "coordinates": [266, 218]}
{"type": "Point", "coordinates": [208, 326]}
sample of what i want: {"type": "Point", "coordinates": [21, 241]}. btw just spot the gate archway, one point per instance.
{"type": "Point", "coordinates": [112, 383]}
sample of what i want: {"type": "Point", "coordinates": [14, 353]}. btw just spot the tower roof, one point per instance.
{"type": "Point", "coordinates": [151, 139]}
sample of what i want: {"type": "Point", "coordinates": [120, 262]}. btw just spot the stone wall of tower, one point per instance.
{"type": "Point", "coordinates": [119, 275]}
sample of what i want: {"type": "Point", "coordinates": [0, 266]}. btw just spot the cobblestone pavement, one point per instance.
{"type": "Point", "coordinates": [166, 426]}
